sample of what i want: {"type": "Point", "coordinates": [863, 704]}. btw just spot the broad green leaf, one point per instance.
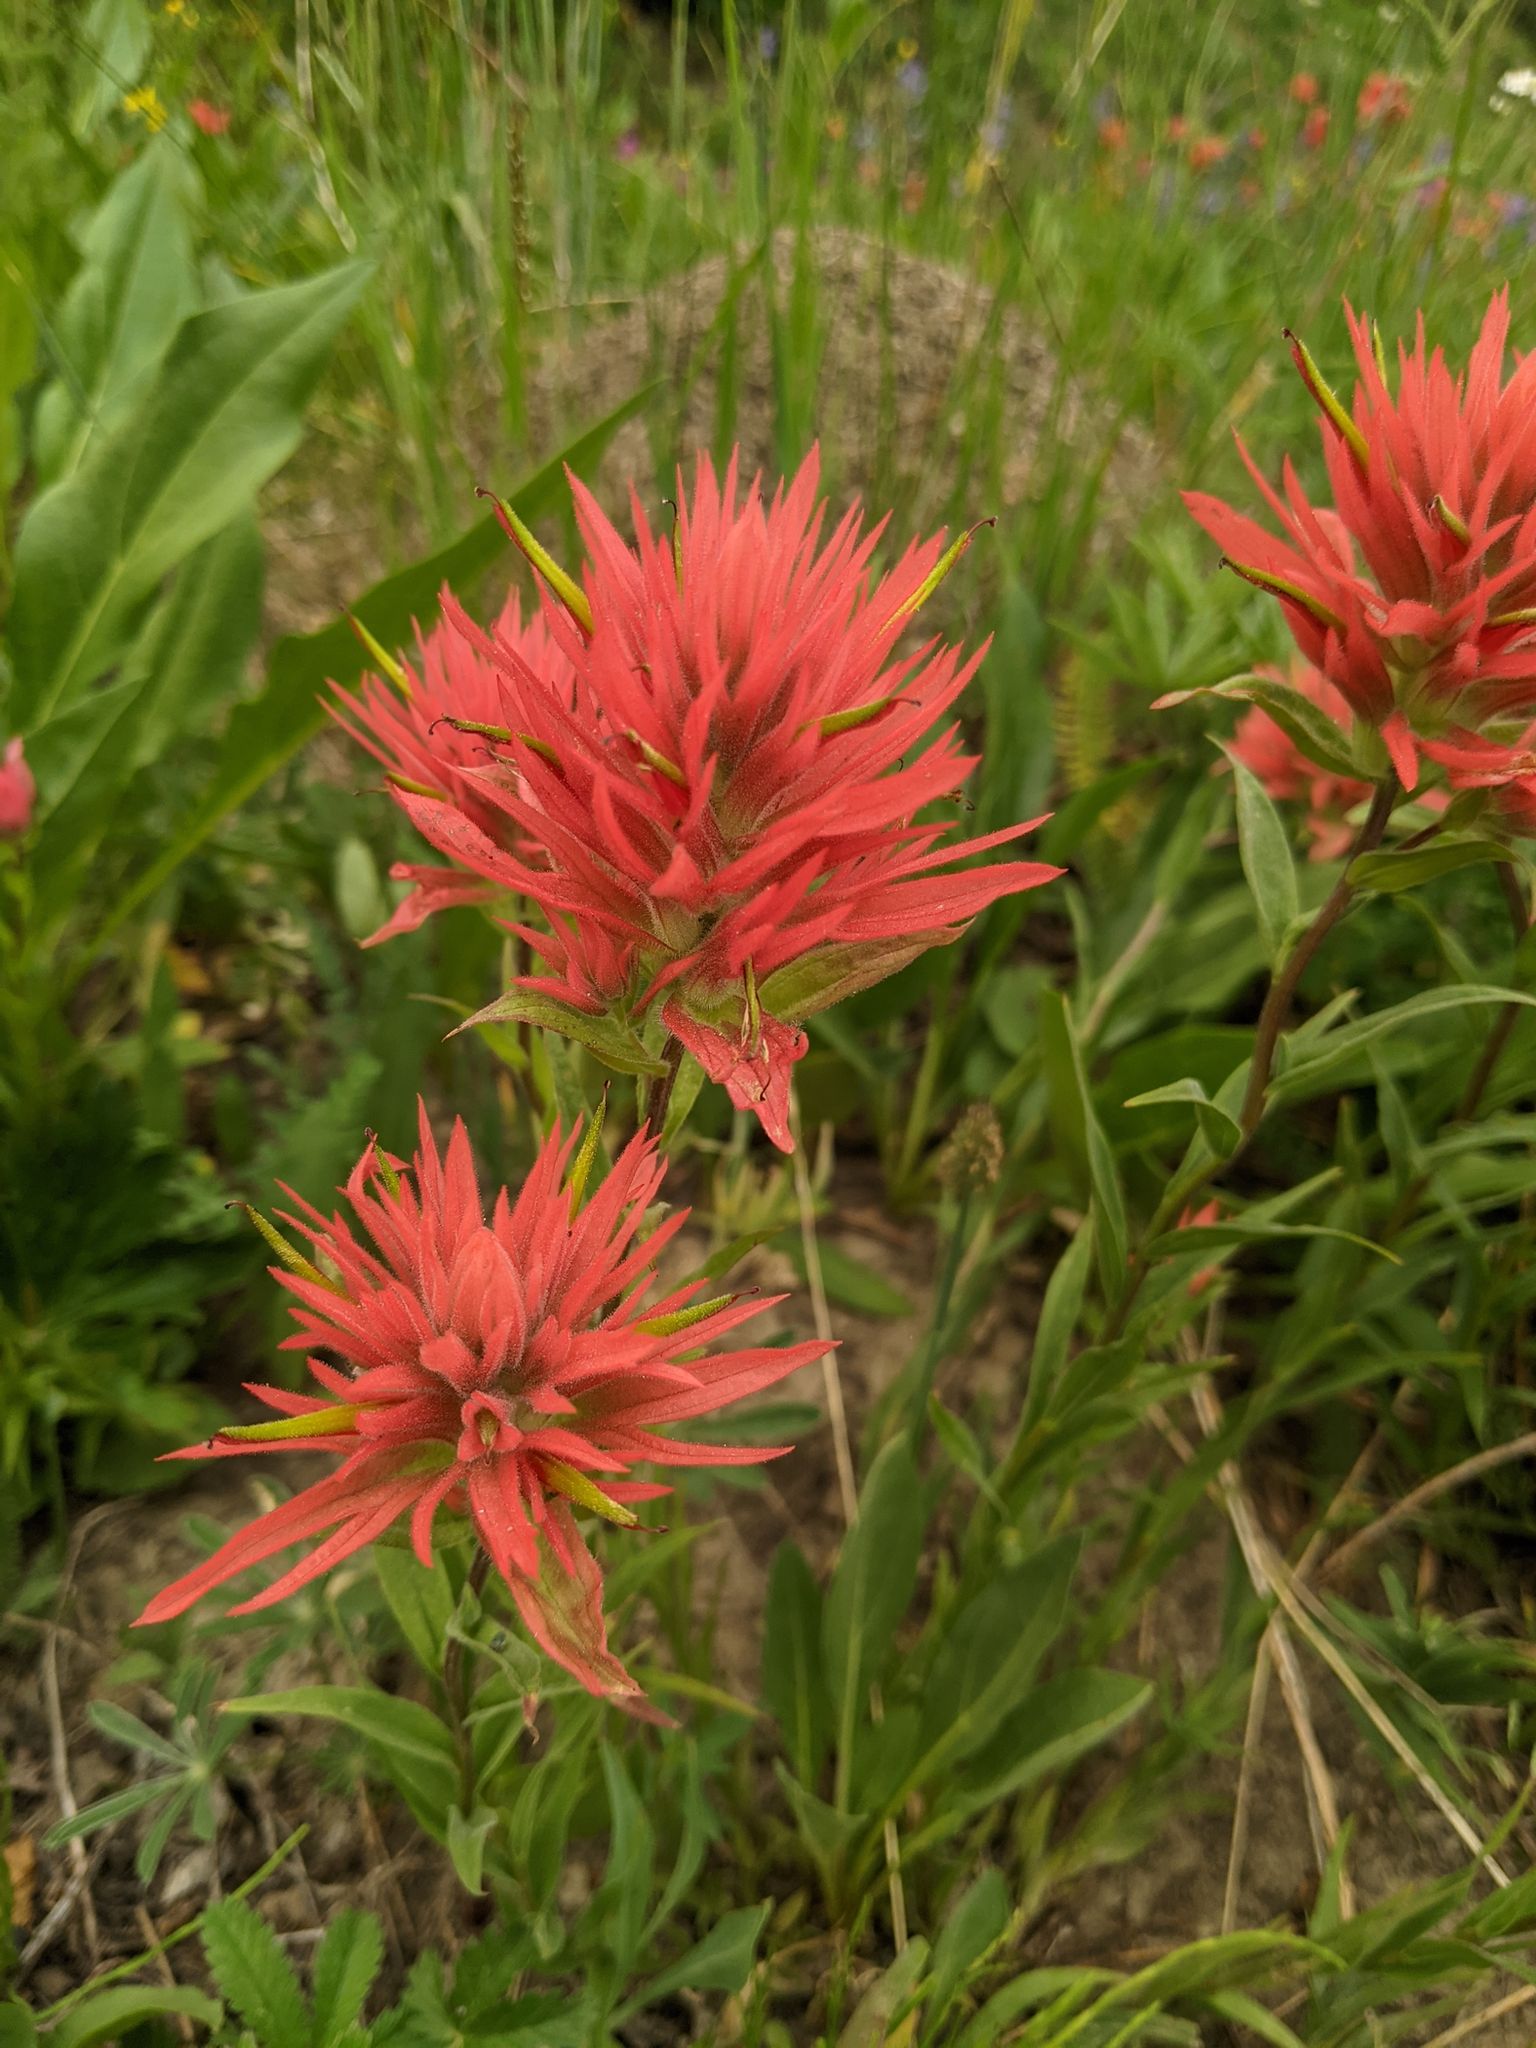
{"type": "Point", "coordinates": [1313, 730]}
{"type": "Point", "coordinates": [345, 1966]}
{"type": "Point", "coordinates": [794, 1679]}
{"type": "Point", "coordinates": [631, 1861]}
{"type": "Point", "coordinates": [135, 285]}
{"type": "Point", "coordinates": [976, 1920]}
{"type": "Point", "coordinates": [113, 46]}
{"type": "Point", "coordinates": [1047, 1732]}
{"type": "Point", "coordinates": [1265, 849]}
{"type": "Point", "coordinates": [421, 1601]}
{"type": "Point", "coordinates": [1406, 868]}
{"type": "Point", "coordinates": [254, 1975]}
{"type": "Point", "coordinates": [188, 661]}
{"type": "Point", "coordinates": [108, 2015]}
{"type": "Point", "coordinates": [874, 1578]}
{"type": "Point", "coordinates": [267, 731]}
{"type": "Point", "coordinates": [1220, 1131]}
{"type": "Point", "coordinates": [467, 1835]}
{"type": "Point", "coordinates": [395, 1724]}
{"type": "Point", "coordinates": [118, 1725]}
{"type": "Point", "coordinates": [721, 1961]}
{"type": "Point", "coordinates": [224, 412]}
{"type": "Point", "coordinates": [988, 1657]}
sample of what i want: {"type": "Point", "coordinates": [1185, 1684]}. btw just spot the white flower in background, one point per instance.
{"type": "Point", "coordinates": [1517, 85]}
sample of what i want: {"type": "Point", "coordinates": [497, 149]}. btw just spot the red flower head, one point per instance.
{"type": "Point", "coordinates": [1303, 89]}
{"type": "Point", "coordinates": [1314, 130]}
{"type": "Point", "coordinates": [1207, 152]}
{"type": "Point", "coordinates": [428, 725]}
{"type": "Point", "coordinates": [1273, 756]}
{"type": "Point", "coordinates": [719, 821]}
{"type": "Point", "coordinates": [17, 790]}
{"type": "Point", "coordinates": [210, 119]}
{"type": "Point", "coordinates": [1415, 593]}
{"type": "Point", "coordinates": [1383, 98]}
{"type": "Point", "coordinates": [494, 1365]}
{"type": "Point", "coordinates": [1114, 134]}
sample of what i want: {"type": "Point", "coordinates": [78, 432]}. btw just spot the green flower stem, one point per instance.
{"type": "Point", "coordinates": [1277, 1003]}
{"type": "Point", "coordinates": [458, 1682]}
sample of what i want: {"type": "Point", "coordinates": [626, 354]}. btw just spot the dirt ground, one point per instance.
{"type": "Point", "coordinates": [82, 1908]}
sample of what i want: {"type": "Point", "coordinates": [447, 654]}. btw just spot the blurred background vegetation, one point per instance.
{"type": "Point", "coordinates": [1012, 259]}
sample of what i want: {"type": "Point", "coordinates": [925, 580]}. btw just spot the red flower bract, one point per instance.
{"type": "Point", "coordinates": [1415, 593]}
{"type": "Point", "coordinates": [716, 806]}
{"type": "Point", "coordinates": [428, 729]}
{"type": "Point", "coordinates": [496, 1364]}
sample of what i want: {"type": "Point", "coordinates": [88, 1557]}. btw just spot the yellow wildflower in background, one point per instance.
{"type": "Point", "coordinates": [146, 102]}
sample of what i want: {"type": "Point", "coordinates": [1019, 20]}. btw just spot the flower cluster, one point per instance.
{"type": "Point", "coordinates": [507, 1367]}
{"type": "Point", "coordinates": [708, 771]}
{"type": "Point", "coordinates": [1415, 592]}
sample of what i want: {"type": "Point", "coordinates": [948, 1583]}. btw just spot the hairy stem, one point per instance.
{"type": "Point", "coordinates": [458, 1682]}
{"type": "Point", "coordinates": [658, 1096]}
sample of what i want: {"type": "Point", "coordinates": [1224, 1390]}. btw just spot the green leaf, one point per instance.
{"type": "Point", "coordinates": [186, 663]}
{"type": "Point", "coordinates": [1203, 1237]}
{"type": "Point", "coordinates": [827, 1833]}
{"type": "Point", "coordinates": [345, 1966]}
{"type": "Point", "coordinates": [1221, 1132]}
{"type": "Point", "coordinates": [1299, 1075]}
{"type": "Point", "coordinates": [1313, 730]}
{"type": "Point", "coordinates": [18, 2029]}
{"type": "Point", "coordinates": [254, 1975]}
{"type": "Point", "coordinates": [976, 1920]}
{"type": "Point", "coordinates": [1265, 849]}
{"type": "Point", "coordinates": [268, 730]}
{"type": "Point", "coordinates": [874, 2019]}
{"type": "Point", "coordinates": [224, 412]}
{"type": "Point", "coordinates": [794, 1678]}
{"type": "Point", "coordinates": [118, 1725]}
{"type": "Point", "coordinates": [1059, 1314]}
{"type": "Point", "coordinates": [988, 1657]}
{"type": "Point", "coordinates": [1407, 868]}
{"type": "Point", "coordinates": [874, 1578]}
{"type": "Point", "coordinates": [849, 1281]}
{"type": "Point", "coordinates": [1078, 1130]}
{"type": "Point", "coordinates": [721, 1961]}
{"type": "Point", "coordinates": [467, 1834]}
{"type": "Point", "coordinates": [616, 1043]}
{"type": "Point", "coordinates": [1045, 1734]}
{"type": "Point", "coordinates": [108, 2015]}
{"type": "Point", "coordinates": [421, 1601]}
{"type": "Point", "coordinates": [135, 285]}
{"type": "Point", "coordinates": [394, 1724]}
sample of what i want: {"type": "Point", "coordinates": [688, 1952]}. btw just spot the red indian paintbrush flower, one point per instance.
{"type": "Point", "coordinates": [491, 1365]}
{"type": "Point", "coordinates": [1416, 592]}
{"type": "Point", "coordinates": [720, 820]}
